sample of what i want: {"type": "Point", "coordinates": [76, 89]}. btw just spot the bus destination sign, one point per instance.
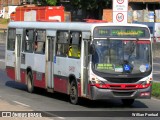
{"type": "Point", "coordinates": [122, 32]}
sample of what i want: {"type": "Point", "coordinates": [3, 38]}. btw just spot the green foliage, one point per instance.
{"type": "Point", "coordinates": [51, 2]}
{"type": "Point", "coordinates": [156, 90]}
{"type": "Point", "coordinates": [45, 2]}
{"type": "Point", "coordinates": [4, 21]}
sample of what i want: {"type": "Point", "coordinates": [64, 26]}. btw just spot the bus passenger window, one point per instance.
{"type": "Point", "coordinates": [59, 49]}
{"type": "Point", "coordinates": [62, 43]}
{"type": "Point", "coordinates": [39, 44]}
{"type": "Point", "coordinates": [75, 45]}
{"type": "Point", "coordinates": [29, 40]}
{"type": "Point", "coordinates": [11, 39]}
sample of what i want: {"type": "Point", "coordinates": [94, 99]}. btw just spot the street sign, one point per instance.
{"type": "Point", "coordinates": [120, 17]}
{"type": "Point", "coordinates": [120, 8]}
{"type": "Point", "coordinates": [120, 5]}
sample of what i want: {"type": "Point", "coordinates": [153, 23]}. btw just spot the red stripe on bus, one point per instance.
{"type": "Point", "coordinates": [23, 76]}
{"type": "Point", "coordinates": [10, 72]}
{"type": "Point", "coordinates": [39, 83]}
{"type": "Point", "coordinates": [121, 86]}
{"type": "Point", "coordinates": [60, 84]}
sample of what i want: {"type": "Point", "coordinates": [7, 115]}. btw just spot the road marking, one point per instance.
{"type": "Point", "coordinates": [21, 104]}
{"type": "Point", "coordinates": [156, 71]}
{"type": "Point", "coordinates": [157, 63]}
{"type": "Point", "coordinates": [61, 118]}
{"type": "Point", "coordinates": [54, 115]}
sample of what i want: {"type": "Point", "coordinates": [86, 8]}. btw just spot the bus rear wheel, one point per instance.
{"type": "Point", "coordinates": [127, 102]}
{"type": "Point", "coordinates": [30, 86]}
{"type": "Point", "coordinates": [73, 93]}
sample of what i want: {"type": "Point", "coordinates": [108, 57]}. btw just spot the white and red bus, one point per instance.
{"type": "Point", "coordinates": [107, 60]}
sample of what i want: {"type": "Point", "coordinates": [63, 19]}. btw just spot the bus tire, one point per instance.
{"type": "Point", "coordinates": [30, 86]}
{"type": "Point", "coordinates": [73, 93]}
{"type": "Point", "coordinates": [127, 102]}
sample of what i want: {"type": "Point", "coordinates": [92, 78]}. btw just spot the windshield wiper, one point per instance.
{"type": "Point", "coordinates": [127, 66]}
{"type": "Point", "coordinates": [133, 48]}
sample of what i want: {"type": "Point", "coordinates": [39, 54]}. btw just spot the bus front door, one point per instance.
{"type": "Point", "coordinates": [49, 63]}
{"type": "Point", "coordinates": [85, 63]}
{"type": "Point", "coordinates": [18, 54]}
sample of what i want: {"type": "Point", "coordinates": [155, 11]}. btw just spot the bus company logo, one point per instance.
{"type": "Point", "coordinates": [71, 68]}
{"type": "Point", "coordinates": [6, 114]}
{"type": "Point", "coordinates": [123, 86]}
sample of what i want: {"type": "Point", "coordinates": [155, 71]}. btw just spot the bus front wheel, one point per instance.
{"type": "Point", "coordinates": [30, 86]}
{"type": "Point", "coordinates": [127, 102]}
{"type": "Point", "coordinates": [73, 93]}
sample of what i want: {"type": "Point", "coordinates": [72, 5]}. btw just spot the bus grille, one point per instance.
{"type": "Point", "coordinates": [123, 93]}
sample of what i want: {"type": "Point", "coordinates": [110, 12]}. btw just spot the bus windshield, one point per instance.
{"type": "Point", "coordinates": [122, 56]}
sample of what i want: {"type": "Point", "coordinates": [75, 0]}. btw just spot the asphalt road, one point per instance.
{"type": "Point", "coordinates": [15, 94]}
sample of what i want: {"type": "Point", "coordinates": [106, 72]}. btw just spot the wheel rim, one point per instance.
{"type": "Point", "coordinates": [29, 83]}
{"type": "Point", "coordinates": [73, 93]}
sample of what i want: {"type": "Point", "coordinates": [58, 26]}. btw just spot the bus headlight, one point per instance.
{"type": "Point", "coordinates": [144, 84]}
{"type": "Point", "coordinates": [95, 81]}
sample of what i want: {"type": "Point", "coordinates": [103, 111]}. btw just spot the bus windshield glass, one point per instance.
{"type": "Point", "coordinates": [122, 56]}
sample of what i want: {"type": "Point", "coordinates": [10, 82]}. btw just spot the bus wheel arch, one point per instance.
{"type": "Point", "coordinates": [73, 90]}
{"type": "Point", "coordinates": [29, 80]}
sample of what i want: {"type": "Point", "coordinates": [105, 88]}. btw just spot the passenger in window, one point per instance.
{"type": "Point", "coordinates": [74, 51]}
{"type": "Point", "coordinates": [70, 51]}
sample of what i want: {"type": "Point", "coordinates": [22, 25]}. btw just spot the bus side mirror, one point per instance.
{"type": "Point", "coordinates": [92, 49]}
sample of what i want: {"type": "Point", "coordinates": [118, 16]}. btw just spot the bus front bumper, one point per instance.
{"type": "Point", "coordinates": [102, 94]}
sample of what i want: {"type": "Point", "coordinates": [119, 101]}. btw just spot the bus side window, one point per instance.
{"type": "Point", "coordinates": [39, 44]}
{"type": "Point", "coordinates": [11, 39]}
{"type": "Point", "coordinates": [75, 45]}
{"type": "Point", "coordinates": [29, 40]}
{"type": "Point", "coordinates": [62, 43]}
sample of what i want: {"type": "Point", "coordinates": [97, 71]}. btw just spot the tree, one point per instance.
{"type": "Point", "coordinates": [92, 7]}
{"type": "Point", "coordinates": [51, 2]}
{"type": "Point", "coordinates": [46, 2]}
{"type": "Point", "coordinates": [91, 4]}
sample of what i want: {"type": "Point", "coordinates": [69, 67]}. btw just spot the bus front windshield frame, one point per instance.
{"type": "Point", "coordinates": [122, 56]}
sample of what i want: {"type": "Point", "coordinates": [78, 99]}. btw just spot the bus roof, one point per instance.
{"type": "Point", "coordinates": [83, 26]}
